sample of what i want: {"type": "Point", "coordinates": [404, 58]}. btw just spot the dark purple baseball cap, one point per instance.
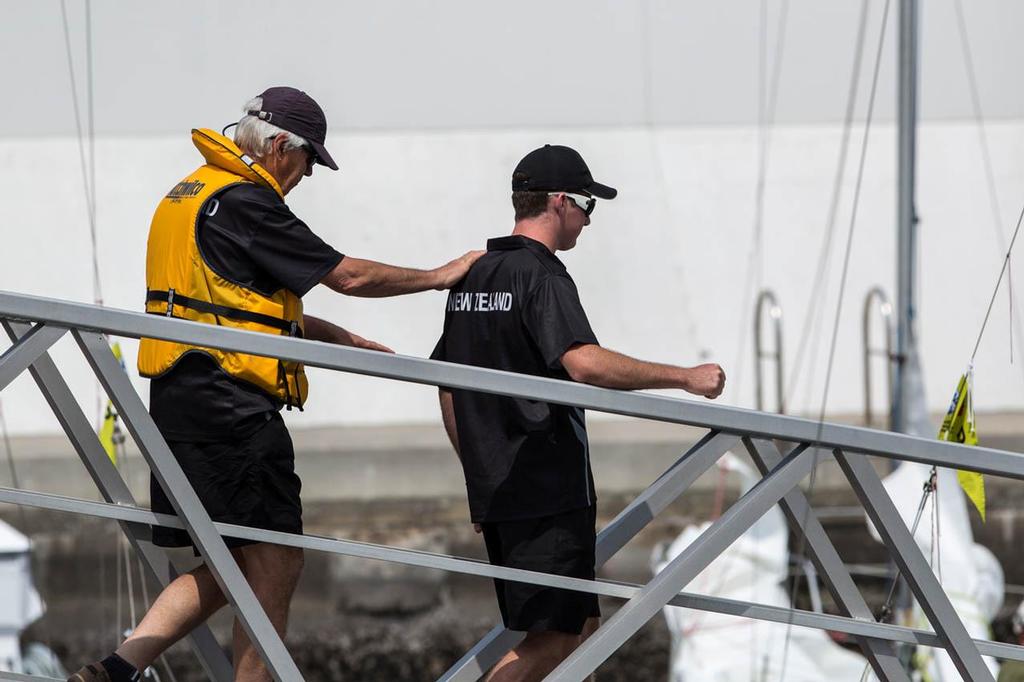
{"type": "Point", "coordinates": [295, 111]}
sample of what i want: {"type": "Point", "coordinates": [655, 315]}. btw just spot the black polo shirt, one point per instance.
{"type": "Point", "coordinates": [254, 239]}
{"type": "Point", "coordinates": [518, 310]}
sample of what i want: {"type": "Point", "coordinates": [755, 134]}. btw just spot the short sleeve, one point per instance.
{"type": "Point", "coordinates": [555, 319]}
{"type": "Point", "coordinates": [290, 252]}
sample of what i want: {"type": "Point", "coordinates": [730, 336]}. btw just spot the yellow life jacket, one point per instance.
{"type": "Point", "coordinates": [179, 283]}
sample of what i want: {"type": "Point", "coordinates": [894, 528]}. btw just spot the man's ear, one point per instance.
{"type": "Point", "coordinates": [278, 145]}
{"type": "Point", "coordinates": [555, 202]}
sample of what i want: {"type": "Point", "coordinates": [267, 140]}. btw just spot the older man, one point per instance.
{"type": "Point", "coordinates": [527, 464]}
{"type": "Point", "coordinates": [224, 248]}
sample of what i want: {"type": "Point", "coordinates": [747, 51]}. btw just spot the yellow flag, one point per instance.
{"type": "Point", "coordinates": [110, 433]}
{"type": "Point", "coordinates": [958, 427]}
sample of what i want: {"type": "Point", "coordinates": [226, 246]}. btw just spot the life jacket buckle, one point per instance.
{"type": "Point", "coordinates": [170, 303]}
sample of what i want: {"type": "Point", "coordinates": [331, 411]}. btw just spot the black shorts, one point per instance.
{"type": "Point", "coordinates": [562, 544]}
{"type": "Point", "coordinates": [249, 482]}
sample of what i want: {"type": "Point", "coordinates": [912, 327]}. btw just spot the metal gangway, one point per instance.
{"type": "Point", "coordinates": [785, 450]}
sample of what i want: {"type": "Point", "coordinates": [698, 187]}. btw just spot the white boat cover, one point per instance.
{"type": "Point", "coordinates": [20, 603]}
{"type": "Point", "coordinates": [709, 647]}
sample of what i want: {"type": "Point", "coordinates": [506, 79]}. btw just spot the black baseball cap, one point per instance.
{"type": "Point", "coordinates": [295, 111]}
{"type": "Point", "coordinates": [554, 168]}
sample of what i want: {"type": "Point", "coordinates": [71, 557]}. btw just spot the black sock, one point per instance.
{"type": "Point", "coordinates": [119, 669]}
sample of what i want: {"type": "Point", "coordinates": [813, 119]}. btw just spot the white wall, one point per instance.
{"type": "Point", "coordinates": [432, 103]}
{"type": "Point", "coordinates": [456, 64]}
{"type": "Point", "coordinates": [662, 270]}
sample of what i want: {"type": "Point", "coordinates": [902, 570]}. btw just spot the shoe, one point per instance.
{"type": "Point", "coordinates": [94, 672]}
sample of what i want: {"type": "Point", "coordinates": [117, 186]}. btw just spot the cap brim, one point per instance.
{"type": "Point", "coordinates": [602, 191]}
{"type": "Point", "coordinates": [323, 157]}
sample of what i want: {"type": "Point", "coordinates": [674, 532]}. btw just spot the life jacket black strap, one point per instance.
{"type": "Point", "coordinates": [176, 299]}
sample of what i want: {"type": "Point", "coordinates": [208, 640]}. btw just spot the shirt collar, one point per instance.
{"type": "Point", "coordinates": [518, 241]}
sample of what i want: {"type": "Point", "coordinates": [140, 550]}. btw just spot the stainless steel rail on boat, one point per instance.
{"type": "Point", "coordinates": [767, 297]}
{"type": "Point", "coordinates": [883, 306]}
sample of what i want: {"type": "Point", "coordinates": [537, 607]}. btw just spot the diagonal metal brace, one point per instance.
{"type": "Point", "coordinates": [685, 567]}
{"type": "Point", "coordinates": [880, 654]}
{"type": "Point", "coordinates": [113, 489]}
{"type": "Point", "coordinates": [165, 468]}
{"type": "Point", "coordinates": [913, 565]}
{"type": "Point", "coordinates": [630, 521]}
{"type": "Point", "coordinates": [27, 350]}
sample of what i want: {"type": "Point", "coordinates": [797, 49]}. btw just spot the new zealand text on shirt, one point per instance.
{"type": "Point", "coordinates": [480, 301]}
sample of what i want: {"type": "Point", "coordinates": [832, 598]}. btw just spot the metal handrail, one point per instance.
{"type": "Point", "coordinates": [767, 296]}
{"type": "Point", "coordinates": [423, 559]}
{"type": "Point", "coordinates": [884, 308]}
{"type": "Point", "coordinates": [782, 472]}
{"type": "Point", "coordinates": [640, 404]}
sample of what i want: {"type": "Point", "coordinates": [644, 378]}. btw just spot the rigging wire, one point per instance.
{"type": "Point", "coordinates": [839, 307]}
{"type": "Point", "coordinates": [89, 180]}
{"type": "Point", "coordinates": [766, 107]}
{"type": "Point", "coordinates": [689, 319]}
{"type": "Point", "coordinates": [88, 168]}
{"type": "Point", "coordinates": [995, 290]}
{"type": "Point", "coordinates": [931, 485]}
{"type": "Point", "coordinates": [997, 215]}
{"type": "Point", "coordinates": [814, 310]}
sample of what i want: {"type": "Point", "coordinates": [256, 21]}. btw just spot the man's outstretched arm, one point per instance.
{"type": "Point", "coordinates": [370, 279]}
{"type": "Point", "coordinates": [589, 363]}
{"type": "Point", "coordinates": [316, 329]}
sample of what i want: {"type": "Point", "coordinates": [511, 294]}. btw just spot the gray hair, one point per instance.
{"type": "Point", "coordinates": [253, 134]}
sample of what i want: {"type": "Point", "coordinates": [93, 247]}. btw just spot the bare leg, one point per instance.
{"type": "Point", "coordinates": [272, 571]}
{"type": "Point", "coordinates": [535, 657]}
{"type": "Point", "coordinates": [185, 603]}
{"type": "Point", "coordinates": [589, 628]}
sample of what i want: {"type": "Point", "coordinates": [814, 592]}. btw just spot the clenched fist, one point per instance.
{"type": "Point", "coordinates": [707, 380]}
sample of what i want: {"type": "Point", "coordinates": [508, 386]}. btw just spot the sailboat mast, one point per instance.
{"type": "Point", "coordinates": [906, 241]}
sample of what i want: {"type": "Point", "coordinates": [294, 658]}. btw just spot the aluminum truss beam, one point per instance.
{"type": "Point", "coordinates": [113, 489]}
{"type": "Point", "coordinates": [165, 468]}
{"type": "Point", "coordinates": [435, 373]}
{"type": "Point", "coordinates": [604, 588]}
{"type": "Point", "coordinates": [630, 521]}
{"type": "Point", "coordinates": [26, 350]}
{"type": "Point", "coordinates": [18, 677]}
{"type": "Point", "coordinates": [644, 601]}
{"type": "Point", "coordinates": [802, 521]}
{"type": "Point", "coordinates": [680, 571]}
{"type": "Point", "coordinates": [913, 566]}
